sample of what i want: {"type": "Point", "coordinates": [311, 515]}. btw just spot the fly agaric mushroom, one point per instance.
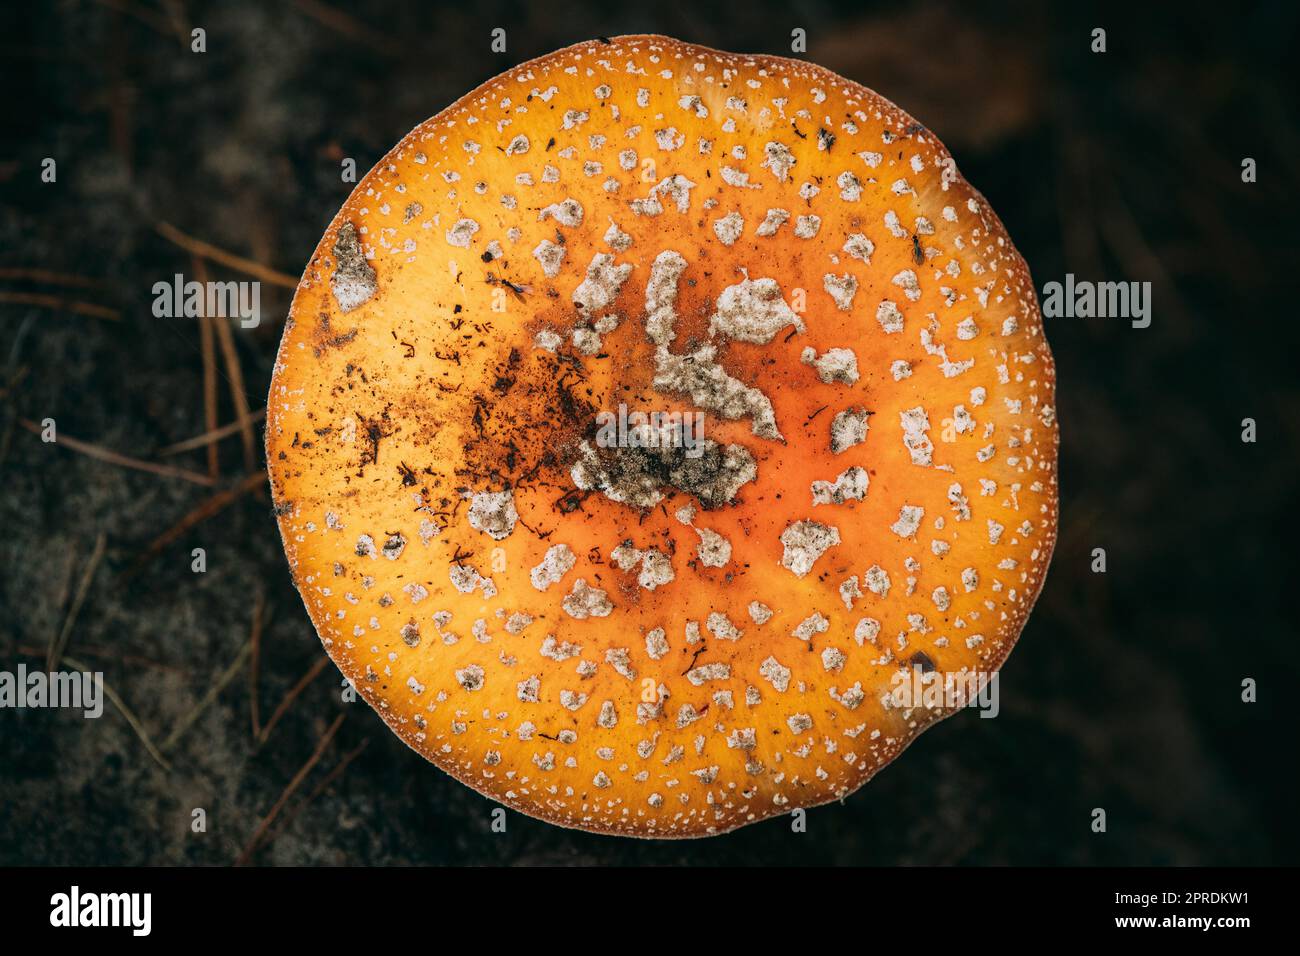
{"type": "Point", "coordinates": [616, 620]}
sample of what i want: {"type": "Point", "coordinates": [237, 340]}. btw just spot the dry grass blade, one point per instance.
{"type": "Point", "coordinates": [60, 641]}
{"type": "Point", "coordinates": [186, 722]}
{"type": "Point", "coordinates": [65, 583]}
{"type": "Point", "coordinates": [129, 714]}
{"type": "Point", "coordinates": [114, 654]}
{"type": "Point", "coordinates": [125, 461]}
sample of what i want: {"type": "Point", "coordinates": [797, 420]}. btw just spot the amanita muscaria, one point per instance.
{"type": "Point", "coordinates": [677, 640]}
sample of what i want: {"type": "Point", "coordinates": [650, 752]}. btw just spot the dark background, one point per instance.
{"type": "Point", "coordinates": [1125, 690]}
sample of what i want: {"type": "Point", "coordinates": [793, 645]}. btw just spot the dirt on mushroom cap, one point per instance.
{"type": "Point", "coordinates": [650, 641]}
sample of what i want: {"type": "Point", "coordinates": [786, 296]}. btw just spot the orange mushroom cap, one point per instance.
{"type": "Point", "coordinates": [639, 625]}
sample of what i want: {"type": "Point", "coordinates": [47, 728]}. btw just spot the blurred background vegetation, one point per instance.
{"type": "Point", "coordinates": [1125, 690]}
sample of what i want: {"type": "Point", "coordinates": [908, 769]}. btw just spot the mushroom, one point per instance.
{"type": "Point", "coordinates": [643, 416]}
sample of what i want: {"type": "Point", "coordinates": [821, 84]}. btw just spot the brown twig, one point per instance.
{"type": "Point", "coordinates": [114, 458]}
{"type": "Point", "coordinates": [60, 302]}
{"type": "Point", "coordinates": [234, 375]}
{"type": "Point", "coordinates": [208, 438]}
{"type": "Point", "coordinates": [179, 21]}
{"type": "Point", "coordinates": [237, 394]}
{"type": "Point", "coordinates": [348, 26]}
{"type": "Point", "coordinates": [213, 506]}
{"type": "Point", "coordinates": [147, 17]}
{"type": "Point", "coordinates": [1121, 231]}
{"type": "Point", "coordinates": [6, 438]}
{"type": "Point", "coordinates": [1074, 205]}
{"type": "Point", "coordinates": [59, 642]}
{"type": "Point", "coordinates": [209, 389]}
{"type": "Point", "coordinates": [294, 784]}
{"type": "Point", "coordinates": [119, 95]}
{"type": "Point", "coordinates": [216, 254]}
{"type": "Point", "coordinates": [115, 654]}
{"type": "Point", "coordinates": [47, 277]}
{"type": "Point", "coordinates": [303, 682]}
{"type": "Point", "coordinates": [255, 661]}
{"type": "Point", "coordinates": [320, 788]}
{"type": "Point", "coordinates": [11, 386]}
